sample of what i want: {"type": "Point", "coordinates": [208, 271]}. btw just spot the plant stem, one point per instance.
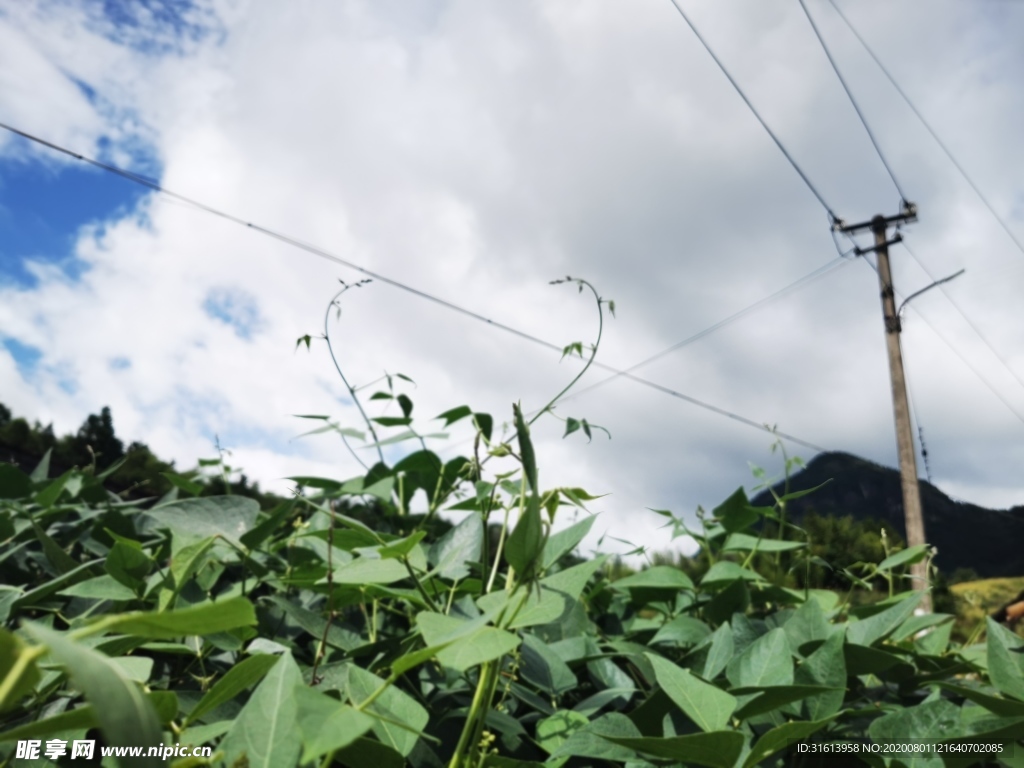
{"type": "Point", "coordinates": [593, 353]}
{"type": "Point", "coordinates": [477, 713]}
{"type": "Point", "coordinates": [349, 387]}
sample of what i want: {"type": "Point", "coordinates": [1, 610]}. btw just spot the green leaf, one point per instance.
{"type": "Point", "coordinates": [555, 730]}
{"type": "Point", "coordinates": [84, 717]}
{"type": "Point", "coordinates": [540, 666]}
{"type": "Point", "coordinates": [197, 735]}
{"type": "Point", "coordinates": [399, 717]}
{"type": "Point", "coordinates": [367, 570]}
{"type": "Point", "coordinates": [266, 730]}
{"type": "Point", "coordinates": [572, 581]}
{"type": "Point", "coordinates": [563, 542]}
{"type": "Point", "coordinates": [128, 564]}
{"type": "Point", "coordinates": [907, 556]}
{"type": "Point", "coordinates": [826, 666]}
{"type": "Point", "coordinates": [14, 484]}
{"type": "Point", "coordinates": [317, 625]}
{"type": "Point", "coordinates": [807, 625]}
{"type": "Point", "coordinates": [735, 598]}
{"type": "Point", "coordinates": [205, 619]}
{"type": "Point", "coordinates": [526, 448]}
{"type": "Point", "coordinates": [1005, 660]}
{"type": "Point", "coordinates": [467, 643]}
{"type": "Point", "coordinates": [392, 421]}
{"type": "Point", "coordinates": [707, 705]}
{"type": "Point", "coordinates": [874, 628]}
{"type": "Point", "coordinates": [485, 423]}
{"type": "Point", "coordinates": [725, 571]}
{"type": "Point", "coordinates": [229, 517]}
{"type": "Point", "coordinates": [769, 698]}
{"type": "Point", "coordinates": [720, 749]}
{"type": "Point", "coordinates": [794, 495]}
{"type": "Point", "coordinates": [401, 547]}
{"type": "Point", "coordinates": [408, 661]}
{"type": "Point", "coordinates": [126, 717]}
{"type": "Point", "coordinates": [524, 545]}
{"type": "Point", "coordinates": [405, 404]}
{"type": "Point", "coordinates": [49, 495]}
{"type": "Point", "coordinates": [459, 546]}
{"type": "Point", "coordinates": [594, 741]}
{"type": "Point", "coordinates": [326, 724]}
{"type": "Point", "coordinates": [104, 587]}
{"type": "Point", "coordinates": [241, 677]}
{"type": "Point", "coordinates": [534, 607]}
{"type": "Point", "coordinates": [744, 542]}
{"type": "Point", "coordinates": [571, 425]}
{"type": "Point", "coordinates": [915, 624]}
{"type": "Point", "coordinates": [658, 576]}
{"type": "Point", "coordinates": [864, 660]}
{"type": "Point", "coordinates": [42, 470]}
{"type": "Point", "coordinates": [735, 513]}
{"type": "Point", "coordinates": [455, 414]}
{"type": "Point", "coordinates": [766, 661]}
{"type": "Point", "coordinates": [681, 631]}
{"type": "Point", "coordinates": [185, 563]}
{"type": "Point", "coordinates": [40, 593]}
{"type": "Point", "coordinates": [782, 736]}
{"type": "Point", "coordinates": [58, 558]}
{"type": "Point", "coordinates": [994, 704]}
{"type": "Point", "coordinates": [720, 650]}
{"type": "Point", "coordinates": [182, 483]}
{"type": "Point", "coordinates": [18, 672]}
{"type": "Point", "coordinates": [367, 753]}
{"type": "Point", "coordinates": [928, 721]}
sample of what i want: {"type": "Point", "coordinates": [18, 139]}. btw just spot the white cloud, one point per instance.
{"type": "Point", "coordinates": [478, 151]}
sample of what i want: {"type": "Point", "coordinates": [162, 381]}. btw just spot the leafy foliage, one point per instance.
{"type": "Point", "coordinates": [344, 627]}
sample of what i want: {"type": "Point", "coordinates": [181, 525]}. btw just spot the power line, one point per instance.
{"type": "Point", "coordinates": [963, 359]}
{"type": "Point", "coordinates": [941, 144]}
{"type": "Point", "coordinates": [156, 187]}
{"type": "Point", "coordinates": [808, 278]}
{"type": "Point", "coordinates": [967, 320]}
{"type": "Point", "coordinates": [853, 101]}
{"type": "Point", "coordinates": [917, 421]}
{"type": "Point", "coordinates": [756, 114]}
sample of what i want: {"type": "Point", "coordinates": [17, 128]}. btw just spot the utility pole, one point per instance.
{"type": "Point", "coordinates": [912, 513]}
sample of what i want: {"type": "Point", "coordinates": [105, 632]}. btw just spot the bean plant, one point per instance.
{"type": "Point", "coordinates": [437, 613]}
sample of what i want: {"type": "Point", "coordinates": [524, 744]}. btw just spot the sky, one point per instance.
{"type": "Point", "coordinates": [474, 151]}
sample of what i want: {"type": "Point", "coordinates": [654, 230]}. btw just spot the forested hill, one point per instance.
{"type": "Point", "coordinates": [967, 536]}
{"type": "Point", "coordinates": [140, 473]}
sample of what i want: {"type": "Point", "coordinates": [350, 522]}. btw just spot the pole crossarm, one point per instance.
{"type": "Point", "coordinates": [898, 238]}
{"type": "Point", "coordinates": [906, 216]}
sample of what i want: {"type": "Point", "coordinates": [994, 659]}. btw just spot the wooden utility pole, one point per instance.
{"type": "Point", "coordinates": [912, 513]}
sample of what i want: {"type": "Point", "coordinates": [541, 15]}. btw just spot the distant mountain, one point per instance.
{"type": "Point", "coordinates": [990, 541]}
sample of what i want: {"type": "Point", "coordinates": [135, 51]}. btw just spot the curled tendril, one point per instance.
{"type": "Point", "coordinates": [335, 303]}
{"type": "Point", "coordinates": [577, 347]}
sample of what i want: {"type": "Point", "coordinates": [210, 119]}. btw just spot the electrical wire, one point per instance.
{"type": "Point", "coordinates": [756, 114]}
{"type": "Point", "coordinates": [931, 132]}
{"type": "Point", "coordinates": [967, 320]}
{"type": "Point", "coordinates": [963, 359]}
{"type": "Point", "coordinates": [853, 101]}
{"type": "Point", "coordinates": [156, 187]}
{"type": "Point", "coordinates": [805, 280]}
{"type": "Point", "coordinates": [917, 421]}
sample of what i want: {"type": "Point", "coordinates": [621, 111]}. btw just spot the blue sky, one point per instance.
{"type": "Point", "coordinates": [476, 152]}
{"type": "Point", "coordinates": [44, 205]}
